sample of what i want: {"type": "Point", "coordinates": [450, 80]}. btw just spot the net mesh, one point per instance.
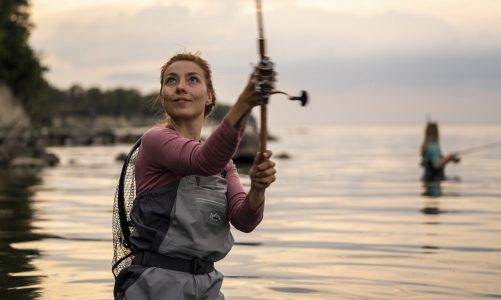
{"type": "Point", "coordinates": [122, 205]}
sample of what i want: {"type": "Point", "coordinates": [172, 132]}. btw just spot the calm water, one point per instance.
{"type": "Point", "coordinates": [345, 220]}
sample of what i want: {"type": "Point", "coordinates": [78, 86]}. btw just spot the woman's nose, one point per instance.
{"type": "Point", "coordinates": [180, 88]}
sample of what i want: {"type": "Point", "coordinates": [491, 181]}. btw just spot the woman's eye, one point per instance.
{"type": "Point", "coordinates": [194, 79]}
{"type": "Point", "coordinates": [170, 80]}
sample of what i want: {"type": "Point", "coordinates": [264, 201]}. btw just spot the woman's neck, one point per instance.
{"type": "Point", "coordinates": [191, 129]}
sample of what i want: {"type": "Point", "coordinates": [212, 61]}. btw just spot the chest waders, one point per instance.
{"type": "Point", "coordinates": [170, 237]}
{"type": "Point", "coordinates": [431, 173]}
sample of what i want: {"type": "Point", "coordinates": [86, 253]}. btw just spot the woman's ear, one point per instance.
{"type": "Point", "coordinates": [210, 98]}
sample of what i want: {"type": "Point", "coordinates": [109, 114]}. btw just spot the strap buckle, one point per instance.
{"type": "Point", "coordinates": [199, 266]}
{"type": "Point", "coordinates": [143, 258]}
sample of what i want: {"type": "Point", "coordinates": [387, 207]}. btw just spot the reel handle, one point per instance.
{"type": "Point", "coordinates": [303, 98]}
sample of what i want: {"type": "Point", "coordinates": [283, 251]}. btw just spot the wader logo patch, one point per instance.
{"type": "Point", "coordinates": [215, 217]}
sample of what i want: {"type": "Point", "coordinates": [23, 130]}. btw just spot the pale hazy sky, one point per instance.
{"type": "Point", "coordinates": [362, 61]}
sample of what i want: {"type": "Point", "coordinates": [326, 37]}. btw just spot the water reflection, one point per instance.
{"type": "Point", "coordinates": [432, 207]}
{"type": "Point", "coordinates": [15, 218]}
{"type": "Point", "coordinates": [294, 290]}
{"type": "Point", "coordinates": [430, 249]}
{"type": "Point", "coordinates": [345, 220]}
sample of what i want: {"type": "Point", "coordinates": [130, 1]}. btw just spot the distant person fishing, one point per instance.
{"type": "Point", "coordinates": [433, 161]}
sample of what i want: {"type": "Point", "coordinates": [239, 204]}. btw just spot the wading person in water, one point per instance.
{"type": "Point", "coordinates": [433, 161]}
{"type": "Point", "coordinates": [189, 192]}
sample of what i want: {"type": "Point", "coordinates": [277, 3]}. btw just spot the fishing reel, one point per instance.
{"type": "Point", "coordinates": [266, 86]}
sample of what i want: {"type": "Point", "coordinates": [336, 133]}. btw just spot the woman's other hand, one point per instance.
{"type": "Point", "coordinates": [262, 172]}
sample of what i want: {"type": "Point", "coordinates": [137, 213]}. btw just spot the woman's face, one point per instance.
{"type": "Point", "coordinates": [184, 91]}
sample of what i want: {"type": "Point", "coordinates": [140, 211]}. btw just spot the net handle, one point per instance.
{"type": "Point", "coordinates": [121, 197]}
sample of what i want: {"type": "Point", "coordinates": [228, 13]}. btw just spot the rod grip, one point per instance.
{"type": "Point", "coordinates": [264, 128]}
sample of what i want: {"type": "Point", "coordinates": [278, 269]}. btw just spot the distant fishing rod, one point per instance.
{"type": "Point", "coordinates": [478, 148]}
{"type": "Point", "coordinates": [265, 84]}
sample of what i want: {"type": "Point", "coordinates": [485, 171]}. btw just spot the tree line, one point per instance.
{"type": "Point", "coordinates": [22, 71]}
{"type": "Point", "coordinates": [93, 102]}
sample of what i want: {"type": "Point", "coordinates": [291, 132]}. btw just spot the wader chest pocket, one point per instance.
{"type": "Point", "coordinates": [211, 210]}
{"type": "Point", "coordinates": [199, 223]}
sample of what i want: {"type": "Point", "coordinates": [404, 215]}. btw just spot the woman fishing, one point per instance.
{"type": "Point", "coordinates": [432, 159]}
{"type": "Point", "coordinates": [188, 192]}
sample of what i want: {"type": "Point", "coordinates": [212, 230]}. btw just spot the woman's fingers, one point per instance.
{"type": "Point", "coordinates": [250, 95]}
{"type": "Point", "coordinates": [266, 172]}
{"type": "Point", "coordinates": [263, 171]}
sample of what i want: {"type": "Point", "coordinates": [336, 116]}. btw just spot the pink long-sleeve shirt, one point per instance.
{"type": "Point", "coordinates": [165, 156]}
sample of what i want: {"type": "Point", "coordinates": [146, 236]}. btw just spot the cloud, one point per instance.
{"type": "Point", "coordinates": [391, 51]}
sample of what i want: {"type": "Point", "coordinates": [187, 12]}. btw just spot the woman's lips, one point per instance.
{"type": "Point", "coordinates": [182, 100]}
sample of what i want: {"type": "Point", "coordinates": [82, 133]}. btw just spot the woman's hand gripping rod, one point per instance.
{"type": "Point", "coordinates": [265, 80]}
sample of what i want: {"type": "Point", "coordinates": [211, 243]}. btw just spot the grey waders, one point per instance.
{"type": "Point", "coordinates": [166, 246]}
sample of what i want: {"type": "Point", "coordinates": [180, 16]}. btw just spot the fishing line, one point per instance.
{"type": "Point", "coordinates": [478, 148]}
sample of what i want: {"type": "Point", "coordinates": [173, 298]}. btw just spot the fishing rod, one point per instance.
{"type": "Point", "coordinates": [477, 148]}
{"type": "Point", "coordinates": [265, 83]}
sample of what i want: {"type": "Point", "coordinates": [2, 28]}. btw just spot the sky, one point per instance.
{"type": "Point", "coordinates": [361, 61]}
